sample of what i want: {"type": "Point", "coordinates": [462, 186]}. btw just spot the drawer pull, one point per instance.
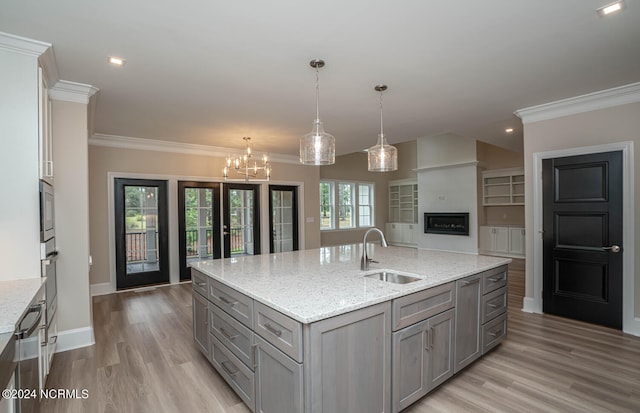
{"type": "Point", "coordinates": [201, 283]}
{"type": "Point", "coordinates": [466, 283]}
{"type": "Point", "coordinates": [494, 305]}
{"type": "Point", "coordinates": [228, 370]}
{"type": "Point", "coordinates": [273, 330]}
{"type": "Point", "coordinates": [427, 339]}
{"type": "Point", "coordinates": [226, 301]}
{"type": "Point", "coordinates": [495, 279]}
{"type": "Point", "coordinates": [496, 333]}
{"type": "Point", "coordinates": [227, 335]}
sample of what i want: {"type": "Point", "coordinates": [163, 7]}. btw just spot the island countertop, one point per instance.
{"type": "Point", "coordinates": [315, 284]}
{"type": "Point", "coordinates": [15, 296]}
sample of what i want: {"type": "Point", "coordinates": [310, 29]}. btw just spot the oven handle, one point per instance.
{"type": "Point", "coordinates": [26, 332]}
{"type": "Point", "coordinates": [51, 257]}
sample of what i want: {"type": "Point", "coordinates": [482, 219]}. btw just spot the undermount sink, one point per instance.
{"type": "Point", "coordinates": [392, 277]}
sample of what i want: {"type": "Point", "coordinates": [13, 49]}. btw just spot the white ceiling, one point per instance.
{"type": "Point", "coordinates": [210, 72]}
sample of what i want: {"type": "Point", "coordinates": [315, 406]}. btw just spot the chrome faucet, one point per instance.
{"type": "Point", "coordinates": [365, 260]}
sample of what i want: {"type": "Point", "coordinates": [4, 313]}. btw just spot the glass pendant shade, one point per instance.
{"type": "Point", "coordinates": [383, 157]}
{"type": "Point", "coordinates": [317, 147]}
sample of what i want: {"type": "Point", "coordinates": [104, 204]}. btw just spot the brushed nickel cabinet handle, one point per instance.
{"type": "Point", "coordinates": [493, 305]}
{"type": "Point", "coordinates": [495, 333]}
{"type": "Point", "coordinates": [495, 279]}
{"type": "Point", "coordinates": [273, 330]}
{"type": "Point", "coordinates": [427, 339]}
{"type": "Point", "coordinates": [228, 370]}
{"type": "Point", "coordinates": [227, 335]}
{"type": "Point", "coordinates": [226, 301]}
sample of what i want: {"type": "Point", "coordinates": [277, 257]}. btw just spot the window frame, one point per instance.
{"type": "Point", "coordinates": [335, 204]}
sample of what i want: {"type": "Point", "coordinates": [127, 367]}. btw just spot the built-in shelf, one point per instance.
{"type": "Point", "coordinates": [403, 202]}
{"type": "Point", "coordinates": [503, 187]}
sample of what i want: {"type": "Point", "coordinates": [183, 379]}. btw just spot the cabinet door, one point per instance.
{"type": "Point", "coordinates": [44, 130]}
{"type": "Point", "coordinates": [501, 239]}
{"type": "Point", "coordinates": [441, 336]}
{"type": "Point", "coordinates": [278, 380]}
{"type": "Point", "coordinates": [344, 349]}
{"type": "Point", "coordinates": [467, 329]}
{"type": "Point", "coordinates": [516, 241]}
{"type": "Point", "coordinates": [201, 323]}
{"type": "Point", "coordinates": [410, 379]}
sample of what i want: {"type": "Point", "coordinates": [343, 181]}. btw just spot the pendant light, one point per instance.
{"type": "Point", "coordinates": [317, 147]}
{"type": "Point", "coordinates": [382, 157]}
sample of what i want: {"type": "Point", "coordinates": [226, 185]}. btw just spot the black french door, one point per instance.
{"type": "Point", "coordinates": [283, 225]}
{"type": "Point", "coordinates": [198, 223]}
{"type": "Point", "coordinates": [241, 227]}
{"type": "Point", "coordinates": [582, 239]}
{"type": "Point", "coordinates": [142, 239]}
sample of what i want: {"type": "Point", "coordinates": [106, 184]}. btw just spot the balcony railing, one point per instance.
{"type": "Point", "coordinates": [137, 246]}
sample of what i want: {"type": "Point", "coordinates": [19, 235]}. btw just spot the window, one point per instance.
{"type": "Point", "coordinates": [365, 205]}
{"type": "Point", "coordinates": [326, 205]}
{"type": "Point", "coordinates": [345, 205]}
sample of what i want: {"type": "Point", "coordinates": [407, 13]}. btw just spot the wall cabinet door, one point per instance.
{"type": "Point", "coordinates": [343, 350]}
{"type": "Point", "coordinates": [44, 130]}
{"type": "Point", "coordinates": [500, 239]}
{"type": "Point", "coordinates": [516, 241]}
{"type": "Point", "coordinates": [278, 380]}
{"type": "Point", "coordinates": [467, 329]}
{"type": "Point", "coordinates": [201, 323]}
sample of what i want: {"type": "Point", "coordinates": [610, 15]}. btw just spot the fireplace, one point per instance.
{"type": "Point", "coordinates": [451, 223]}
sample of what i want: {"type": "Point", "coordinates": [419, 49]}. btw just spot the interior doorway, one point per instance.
{"type": "Point", "coordinates": [582, 237]}
{"type": "Point", "coordinates": [141, 232]}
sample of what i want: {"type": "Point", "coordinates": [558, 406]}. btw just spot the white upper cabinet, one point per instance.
{"type": "Point", "coordinates": [45, 136]}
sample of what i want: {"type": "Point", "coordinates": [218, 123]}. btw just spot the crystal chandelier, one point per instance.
{"type": "Point", "coordinates": [317, 147]}
{"type": "Point", "coordinates": [382, 157]}
{"type": "Point", "coordinates": [243, 166]}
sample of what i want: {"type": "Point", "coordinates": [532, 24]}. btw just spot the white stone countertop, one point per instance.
{"type": "Point", "coordinates": [15, 297]}
{"type": "Point", "coordinates": [312, 285]}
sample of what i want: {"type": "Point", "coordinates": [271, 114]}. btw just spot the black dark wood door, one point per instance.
{"type": "Point", "coordinates": [241, 216]}
{"type": "Point", "coordinates": [582, 222]}
{"type": "Point", "coordinates": [283, 225]}
{"type": "Point", "coordinates": [142, 232]}
{"type": "Point", "coordinates": [198, 223]}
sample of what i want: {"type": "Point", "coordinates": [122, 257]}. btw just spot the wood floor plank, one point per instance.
{"type": "Point", "coordinates": [144, 359]}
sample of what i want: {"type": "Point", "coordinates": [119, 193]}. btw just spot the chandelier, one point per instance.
{"type": "Point", "coordinates": [382, 157]}
{"type": "Point", "coordinates": [242, 165]}
{"type": "Point", "coordinates": [317, 147]}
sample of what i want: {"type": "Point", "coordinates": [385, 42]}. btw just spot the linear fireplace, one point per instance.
{"type": "Point", "coordinates": [452, 223]}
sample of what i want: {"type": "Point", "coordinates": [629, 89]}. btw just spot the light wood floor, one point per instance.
{"type": "Point", "coordinates": [144, 360]}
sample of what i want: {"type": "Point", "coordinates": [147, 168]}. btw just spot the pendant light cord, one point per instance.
{"type": "Point", "coordinates": [381, 129]}
{"type": "Point", "coordinates": [317, 94]}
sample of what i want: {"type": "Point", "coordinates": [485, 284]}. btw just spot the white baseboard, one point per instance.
{"type": "Point", "coordinates": [529, 306]}
{"type": "Point", "coordinates": [633, 327]}
{"type": "Point", "coordinates": [76, 338]}
{"type": "Point", "coordinates": [101, 289]}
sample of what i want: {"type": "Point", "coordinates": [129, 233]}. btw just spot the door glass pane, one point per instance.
{"type": "Point", "coordinates": [242, 221]}
{"type": "Point", "coordinates": [141, 230]}
{"type": "Point", "coordinates": [198, 215]}
{"type": "Point", "coordinates": [282, 220]}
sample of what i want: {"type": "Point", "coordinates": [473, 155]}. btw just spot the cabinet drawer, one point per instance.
{"type": "Point", "coordinates": [416, 307]}
{"type": "Point", "coordinates": [239, 377]}
{"type": "Point", "coordinates": [236, 304]}
{"type": "Point", "coordinates": [494, 279]}
{"type": "Point", "coordinates": [200, 282]}
{"type": "Point", "coordinates": [279, 330]}
{"type": "Point", "coordinates": [494, 332]}
{"type": "Point", "coordinates": [235, 336]}
{"type": "Point", "coordinates": [493, 304]}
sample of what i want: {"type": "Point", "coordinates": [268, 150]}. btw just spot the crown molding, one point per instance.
{"type": "Point", "coordinates": [603, 99]}
{"type": "Point", "coordinates": [72, 92]}
{"type": "Point", "coordinates": [125, 142]}
{"type": "Point", "coordinates": [22, 44]}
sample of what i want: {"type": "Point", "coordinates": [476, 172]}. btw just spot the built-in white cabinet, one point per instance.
{"type": "Point", "coordinates": [503, 187]}
{"type": "Point", "coordinates": [401, 234]}
{"type": "Point", "coordinates": [45, 135]}
{"type": "Point", "coordinates": [403, 201]}
{"type": "Point", "coordinates": [502, 241]}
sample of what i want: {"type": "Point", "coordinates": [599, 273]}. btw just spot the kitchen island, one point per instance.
{"type": "Point", "coordinates": [308, 331]}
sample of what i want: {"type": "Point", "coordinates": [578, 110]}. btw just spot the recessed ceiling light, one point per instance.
{"type": "Point", "coordinates": [116, 61]}
{"type": "Point", "coordinates": [509, 130]}
{"type": "Point", "coordinates": [611, 8]}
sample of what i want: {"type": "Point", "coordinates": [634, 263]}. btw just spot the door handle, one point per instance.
{"type": "Point", "coordinates": [225, 232]}
{"type": "Point", "coordinates": [613, 248]}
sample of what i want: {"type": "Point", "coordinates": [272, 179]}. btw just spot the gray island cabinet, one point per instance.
{"type": "Point", "coordinates": [291, 335]}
